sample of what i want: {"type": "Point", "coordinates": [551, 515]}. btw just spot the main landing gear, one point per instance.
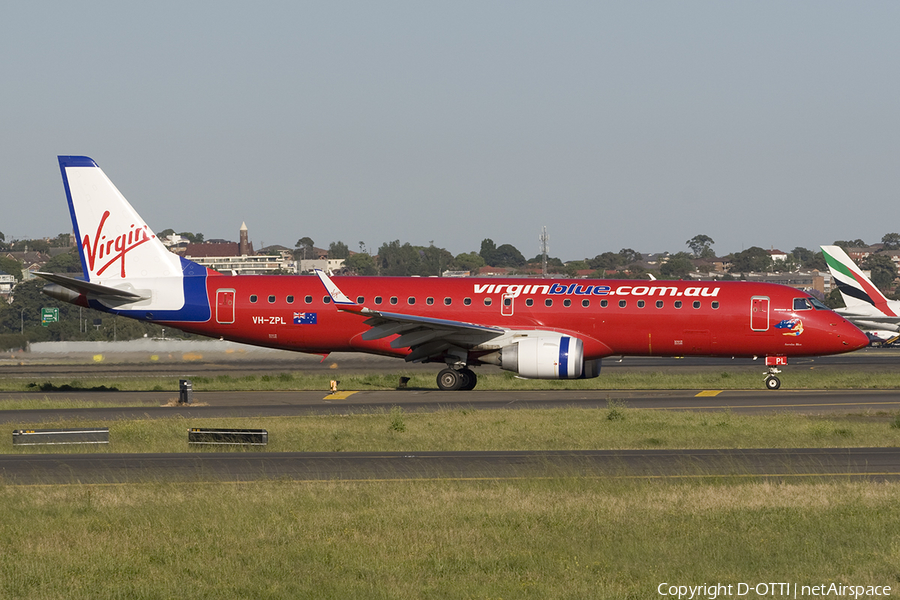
{"type": "Point", "coordinates": [457, 379]}
{"type": "Point", "coordinates": [772, 362]}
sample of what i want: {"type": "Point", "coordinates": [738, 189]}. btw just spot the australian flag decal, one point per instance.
{"type": "Point", "coordinates": [304, 318]}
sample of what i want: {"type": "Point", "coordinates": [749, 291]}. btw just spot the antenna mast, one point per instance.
{"type": "Point", "coordinates": [545, 247]}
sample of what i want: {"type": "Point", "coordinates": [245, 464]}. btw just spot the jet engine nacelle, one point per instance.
{"type": "Point", "coordinates": [548, 357]}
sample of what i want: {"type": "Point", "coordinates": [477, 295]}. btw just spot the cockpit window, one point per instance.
{"type": "Point", "coordinates": [818, 304]}
{"type": "Point", "coordinates": [802, 304]}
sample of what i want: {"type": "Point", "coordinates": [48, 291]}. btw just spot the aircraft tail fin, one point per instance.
{"type": "Point", "coordinates": [114, 242]}
{"type": "Point", "coordinates": [857, 290]}
{"type": "Point", "coordinates": [124, 265]}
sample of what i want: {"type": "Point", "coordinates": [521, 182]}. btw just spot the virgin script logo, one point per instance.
{"type": "Point", "coordinates": [112, 250]}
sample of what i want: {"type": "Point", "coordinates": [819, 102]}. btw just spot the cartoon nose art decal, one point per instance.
{"type": "Point", "coordinates": [794, 326]}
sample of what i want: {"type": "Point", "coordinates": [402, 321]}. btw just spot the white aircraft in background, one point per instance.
{"type": "Point", "coordinates": [866, 307]}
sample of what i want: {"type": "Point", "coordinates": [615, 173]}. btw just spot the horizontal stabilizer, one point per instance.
{"type": "Point", "coordinates": [90, 289]}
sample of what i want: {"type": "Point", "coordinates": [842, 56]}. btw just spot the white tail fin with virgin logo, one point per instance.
{"type": "Point", "coordinates": [118, 250]}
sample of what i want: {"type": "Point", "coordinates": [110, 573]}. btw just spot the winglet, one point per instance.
{"type": "Point", "coordinates": [337, 296]}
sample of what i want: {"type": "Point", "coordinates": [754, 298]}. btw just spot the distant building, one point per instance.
{"type": "Point", "coordinates": [328, 265]}
{"type": "Point", "coordinates": [488, 271]}
{"type": "Point", "coordinates": [244, 246]}
{"type": "Point", "coordinates": [260, 264]}
{"type": "Point", "coordinates": [720, 264]}
{"type": "Point", "coordinates": [31, 261]}
{"type": "Point", "coordinates": [7, 283]}
{"type": "Point", "coordinates": [211, 249]}
{"type": "Point", "coordinates": [777, 255]}
{"type": "Point", "coordinates": [859, 254]}
{"type": "Point", "coordinates": [312, 253]}
{"type": "Point", "coordinates": [811, 280]}
{"type": "Point", "coordinates": [238, 258]}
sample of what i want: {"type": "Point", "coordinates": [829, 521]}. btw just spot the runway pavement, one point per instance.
{"type": "Point", "coordinates": [876, 464]}
{"type": "Point", "coordinates": [277, 404]}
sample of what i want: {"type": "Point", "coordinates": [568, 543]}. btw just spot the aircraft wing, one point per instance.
{"type": "Point", "coordinates": [89, 289]}
{"type": "Point", "coordinates": [425, 336]}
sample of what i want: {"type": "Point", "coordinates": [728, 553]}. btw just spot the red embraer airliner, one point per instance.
{"type": "Point", "coordinates": [538, 328]}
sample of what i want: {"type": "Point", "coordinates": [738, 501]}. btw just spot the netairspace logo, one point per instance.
{"type": "Point", "coordinates": [771, 590]}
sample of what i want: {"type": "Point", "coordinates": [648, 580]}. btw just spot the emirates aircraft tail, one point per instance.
{"type": "Point", "coordinates": [866, 306]}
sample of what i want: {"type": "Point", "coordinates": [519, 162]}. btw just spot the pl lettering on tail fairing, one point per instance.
{"type": "Point", "coordinates": [549, 329]}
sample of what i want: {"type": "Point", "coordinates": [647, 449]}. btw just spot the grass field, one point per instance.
{"type": "Point", "coordinates": [613, 427]}
{"type": "Point", "coordinates": [526, 538]}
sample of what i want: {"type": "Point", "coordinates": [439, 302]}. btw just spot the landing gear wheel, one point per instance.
{"type": "Point", "coordinates": [772, 382]}
{"type": "Point", "coordinates": [449, 380]}
{"type": "Point", "coordinates": [470, 379]}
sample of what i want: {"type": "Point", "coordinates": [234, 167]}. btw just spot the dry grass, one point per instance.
{"type": "Point", "coordinates": [563, 538]}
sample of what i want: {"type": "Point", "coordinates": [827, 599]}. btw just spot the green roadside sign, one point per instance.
{"type": "Point", "coordinates": [49, 315]}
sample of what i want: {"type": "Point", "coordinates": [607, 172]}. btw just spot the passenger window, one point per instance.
{"type": "Point", "coordinates": [548, 302]}
{"type": "Point", "coordinates": [529, 302]}
{"type": "Point", "coordinates": [378, 299]}
{"type": "Point", "coordinates": [307, 299]}
{"type": "Point", "coordinates": [290, 299]}
{"type": "Point", "coordinates": [271, 299]}
{"type": "Point", "coordinates": [448, 301]}
{"type": "Point", "coordinates": [622, 303]}
{"type": "Point", "coordinates": [715, 304]}
{"type": "Point", "coordinates": [253, 299]}
{"type": "Point", "coordinates": [604, 303]}
{"type": "Point", "coordinates": [326, 299]}
{"type": "Point", "coordinates": [678, 304]}
{"type": "Point", "coordinates": [411, 300]}
{"type": "Point", "coordinates": [487, 301]}
{"type": "Point", "coordinates": [567, 302]}
{"type": "Point", "coordinates": [429, 300]}
{"type": "Point", "coordinates": [585, 303]}
{"type": "Point", "coordinates": [467, 301]}
{"type": "Point", "coordinates": [696, 304]}
{"type": "Point", "coordinates": [393, 299]}
{"type": "Point", "coordinates": [641, 304]}
{"type": "Point", "coordinates": [507, 302]}
{"type": "Point", "coordinates": [659, 304]}
{"type": "Point", "coordinates": [360, 300]}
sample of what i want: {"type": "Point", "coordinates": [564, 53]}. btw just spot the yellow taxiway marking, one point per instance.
{"type": "Point", "coordinates": [338, 396]}
{"type": "Point", "coordinates": [706, 393]}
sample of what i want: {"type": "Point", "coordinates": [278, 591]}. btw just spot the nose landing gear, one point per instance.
{"type": "Point", "coordinates": [772, 362]}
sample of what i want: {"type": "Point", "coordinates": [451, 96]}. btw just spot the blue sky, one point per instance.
{"type": "Point", "coordinates": [615, 124]}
